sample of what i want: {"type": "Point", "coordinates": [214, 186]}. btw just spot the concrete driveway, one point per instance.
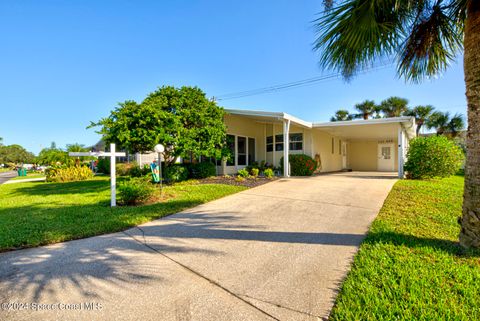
{"type": "Point", "coordinates": [279, 251]}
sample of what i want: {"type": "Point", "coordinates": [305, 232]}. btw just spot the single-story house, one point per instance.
{"type": "Point", "coordinates": [359, 145]}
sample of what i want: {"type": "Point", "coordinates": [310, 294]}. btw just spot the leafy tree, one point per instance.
{"type": "Point", "coordinates": [1, 141]}
{"type": "Point", "coordinates": [422, 115]}
{"type": "Point", "coordinates": [394, 106]}
{"type": "Point", "coordinates": [341, 115]}
{"type": "Point", "coordinates": [425, 36]}
{"type": "Point", "coordinates": [182, 119]}
{"type": "Point", "coordinates": [366, 109]}
{"type": "Point", "coordinates": [15, 154]}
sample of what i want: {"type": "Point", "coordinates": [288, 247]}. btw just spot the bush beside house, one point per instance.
{"type": "Point", "coordinates": [202, 170]}
{"type": "Point", "coordinates": [300, 165]}
{"type": "Point", "coordinates": [434, 156]}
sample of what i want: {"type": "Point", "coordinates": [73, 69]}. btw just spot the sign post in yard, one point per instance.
{"type": "Point", "coordinates": [113, 177]}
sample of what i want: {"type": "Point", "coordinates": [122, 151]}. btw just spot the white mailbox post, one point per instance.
{"type": "Point", "coordinates": [113, 177]}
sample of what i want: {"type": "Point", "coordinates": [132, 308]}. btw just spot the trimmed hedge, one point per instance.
{"type": "Point", "coordinates": [434, 156]}
{"type": "Point", "coordinates": [300, 165]}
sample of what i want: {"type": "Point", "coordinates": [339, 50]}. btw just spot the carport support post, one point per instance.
{"type": "Point", "coordinates": [400, 152]}
{"type": "Point", "coordinates": [286, 147]}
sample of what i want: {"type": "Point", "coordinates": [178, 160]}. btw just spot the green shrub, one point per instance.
{"type": "Point", "coordinates": [68, 174]}
{"type": "Point", "coordinates": [135, 190]}
{"type": "Point", "coordinates": [103, 165]}
{"type": "Point", "coordinates": [243, 173]}
{"type": "Point", "coordinates": [254, 172]}
{"type": "Point", "coordinates": [434, 156]}
{"type": "Point", "coordinates": [202, 170]}
{"type": "Point", "coordinates": [123, 169]}
{"type": "Point", "coordinates": [300, 165]}
{"type": "Point", "coordinates": [175, 173]}
{"type": "Point", "coordinates": [268, 173]}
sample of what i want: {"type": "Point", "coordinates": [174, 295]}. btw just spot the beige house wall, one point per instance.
{"type": "Point", "coordinates": [362, 155]}
{"type": "Point", "coordinates": [322, 145]}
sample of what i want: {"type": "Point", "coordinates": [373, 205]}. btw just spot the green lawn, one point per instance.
{"type": "Point", "coordinates": [410, 266]}
{"type": "Point", "coordinates": [37, 213]}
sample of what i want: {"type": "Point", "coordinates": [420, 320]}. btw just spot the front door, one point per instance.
{"type": "Point", "coordinates": [386, 162]}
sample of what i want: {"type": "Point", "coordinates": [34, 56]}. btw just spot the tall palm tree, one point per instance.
{"type": "Point", "coordinates": [341, 115]}
{"type": "Point", "coordinates": [421, 114]}
{"type": "Point", "coordinates": [425, 36]}
{"type": "Point", "coordinates": [394, 106]}
{"type": "Point", "coordinates": [366, 109]}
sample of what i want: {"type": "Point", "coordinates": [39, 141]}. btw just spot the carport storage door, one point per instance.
{"type": "Point", "coordinates": [386, 161]}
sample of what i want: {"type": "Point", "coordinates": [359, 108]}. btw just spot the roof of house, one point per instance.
{"type": "Point", "coordinates": [407, 122]}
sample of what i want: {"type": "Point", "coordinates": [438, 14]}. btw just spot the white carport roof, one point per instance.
{"type": "Point", "coordinates": [354, 129]}
{"type": "Point", "coordinates": [370, 128]}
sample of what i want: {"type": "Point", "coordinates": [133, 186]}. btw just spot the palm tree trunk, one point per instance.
{"type": "Point", "coordinates": [470, 221]}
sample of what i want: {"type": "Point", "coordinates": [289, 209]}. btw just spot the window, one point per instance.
{"type": "Point", "coordinates": [278, 143]}
{"type": "Point", "coordinates": [340, 147]}
{"type": "Point", "coordinates": [231, 148]}
{"type": "Point", "coordinates": [333, 145]}
{"type": "Point", "coordinates": [386, 154]}
{"type": "Point", "coordinates": [296, 141]}
{"type": "Point", "coordinates": [269, 144]}
{"type": "Point", "coordinates": [242, 150]}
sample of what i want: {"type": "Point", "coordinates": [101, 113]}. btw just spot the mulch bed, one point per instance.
{"type": "Point", "coordinates": [229, 180]}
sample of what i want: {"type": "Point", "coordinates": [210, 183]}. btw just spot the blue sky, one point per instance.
{"type": "Point", "coordinates": [66, 63]}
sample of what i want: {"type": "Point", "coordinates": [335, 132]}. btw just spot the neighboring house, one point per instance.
{"type": "Point", "coordinates": [360, 145]}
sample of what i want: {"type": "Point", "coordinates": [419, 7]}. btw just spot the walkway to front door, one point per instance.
{"type": "Point", "coordinates": [276, 252]}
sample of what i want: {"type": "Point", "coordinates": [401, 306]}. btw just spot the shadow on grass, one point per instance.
{"type": "Point", "coordinates": [447, 246]}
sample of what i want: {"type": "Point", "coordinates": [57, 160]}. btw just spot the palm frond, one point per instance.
{"type": "Point", "coordinates": [424, 35]}
{"type": "Point", "coordinates": [356, 33]}
{"type": "Point", "coordinates": [431, 45]}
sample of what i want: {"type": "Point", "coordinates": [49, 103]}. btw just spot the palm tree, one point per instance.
{"type": "Point", "coordinates": [377, 112]}
{"type": "Point", "coordinates": [439, 121]}
{"type": "Point", "coordinates": [456, 125]}
{"type": "Point", "coordinates": [341, 115]}
{"type": "Point", "coordinates": [424, 36]}
{"type": "Point", "coordinates": [421, 114]}
{"type": "Point", "coordinates": [366, 109]}
{"type": "Point", "coordinates": [394, 106]}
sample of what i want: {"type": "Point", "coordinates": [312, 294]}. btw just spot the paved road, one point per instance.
{"type": "Point", "coordinates": [276, 252]}
{"type": "Point", "coordinates": [6, 176]}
